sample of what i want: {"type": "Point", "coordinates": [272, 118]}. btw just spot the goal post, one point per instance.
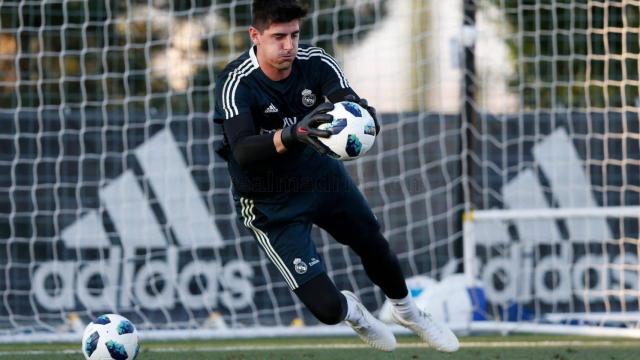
{"type": "Point", "coordinates": [581, 284]}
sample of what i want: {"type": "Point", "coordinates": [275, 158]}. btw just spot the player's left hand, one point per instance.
{"type": "Point", "coordinates": [365, 104]}
{"type": "Point", "coordinates": [306, 130]}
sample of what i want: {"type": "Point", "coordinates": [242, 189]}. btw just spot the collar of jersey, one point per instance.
{"type": "Point", "coordinates": [254, 58]}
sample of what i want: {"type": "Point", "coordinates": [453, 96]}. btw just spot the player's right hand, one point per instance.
{"type": "Point", "coordinates": [306, 130]}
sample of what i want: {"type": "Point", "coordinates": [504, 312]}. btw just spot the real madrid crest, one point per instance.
{"type": "Point", "coordinates": [299, 266]}
{"type": "Point", "coordinates": [308, 98]}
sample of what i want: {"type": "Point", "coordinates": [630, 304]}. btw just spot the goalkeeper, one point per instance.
{"type": "Point", "coordinates": [270, 101]}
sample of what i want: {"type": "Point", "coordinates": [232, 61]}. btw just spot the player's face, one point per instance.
{"type": "Point", "coordinates": [277, 47]}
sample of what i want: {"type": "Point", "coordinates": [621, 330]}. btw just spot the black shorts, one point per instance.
{"type": "Point", "coordinates": [281, 224]}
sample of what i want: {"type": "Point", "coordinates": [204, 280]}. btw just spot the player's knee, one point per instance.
{"type": "Point", "coordinates": [323, 300]}
{"type": "Point", "coordinates": [331, 313]}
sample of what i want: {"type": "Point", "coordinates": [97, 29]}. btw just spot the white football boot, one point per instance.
{"type": "Point", "coordinates": [371, 330]}
{"type": "Point", "coordinates": [434, 333]}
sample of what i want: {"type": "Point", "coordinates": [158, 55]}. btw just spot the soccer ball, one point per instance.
{"type": "Point", "coordinates": [352, 131]}
{"type": "Point", "coordinates": [110, 336]}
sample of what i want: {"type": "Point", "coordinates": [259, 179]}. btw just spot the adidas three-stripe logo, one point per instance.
{"type": "Point", "coordinates": [231, 86]}
{"type": "Point", "coordinates": [248, 217]}
{"type": "Point", "coordinates": [558, 159]}
{"type": "Point", "coordinates": [305, 54]}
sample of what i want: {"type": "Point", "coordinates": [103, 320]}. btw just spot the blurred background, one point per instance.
{"type": "Point", "coordinates": [528, 55]}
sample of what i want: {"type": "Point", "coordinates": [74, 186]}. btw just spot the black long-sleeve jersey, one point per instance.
{"type": "Point", "coordinates": [251, 107]}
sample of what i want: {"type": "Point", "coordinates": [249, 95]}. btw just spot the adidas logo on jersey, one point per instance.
{"type": "Point", "coordinates": [271, 109]}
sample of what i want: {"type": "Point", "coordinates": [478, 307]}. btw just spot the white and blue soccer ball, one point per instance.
{"type": "Point", "coordinates": [353, 131]}
{"type": "Point", "coordinates": [110, 336]}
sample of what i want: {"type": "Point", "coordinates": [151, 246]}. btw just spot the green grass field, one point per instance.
{"type": "Point", "coordinates": [476, 348]}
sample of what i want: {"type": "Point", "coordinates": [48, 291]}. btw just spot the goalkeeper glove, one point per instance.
{"type": "Point", "coordinates": [365, 104]}
{"type": "Point", "coordinates": [306, 130]}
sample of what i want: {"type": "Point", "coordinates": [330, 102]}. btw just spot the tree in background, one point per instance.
{"type": "Point", "coordinates": [161, 56]}
{"type": "Point", "coordinates": [574, 54]}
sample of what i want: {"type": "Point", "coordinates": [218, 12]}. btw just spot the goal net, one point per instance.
{"type": "Point", "coordinates": [112, 198]}
{"type": "Point", "coordinates": [552, 235]}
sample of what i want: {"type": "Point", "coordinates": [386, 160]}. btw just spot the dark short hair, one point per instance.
{"type": "Point", "coordinates": [266, 12]}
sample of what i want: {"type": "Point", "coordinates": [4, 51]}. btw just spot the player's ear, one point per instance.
{"type": "Point", "coordinates": [253, 35]}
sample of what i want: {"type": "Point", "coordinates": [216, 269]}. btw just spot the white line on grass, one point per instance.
{"type": "Point", "coordinates": [466, 344]}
